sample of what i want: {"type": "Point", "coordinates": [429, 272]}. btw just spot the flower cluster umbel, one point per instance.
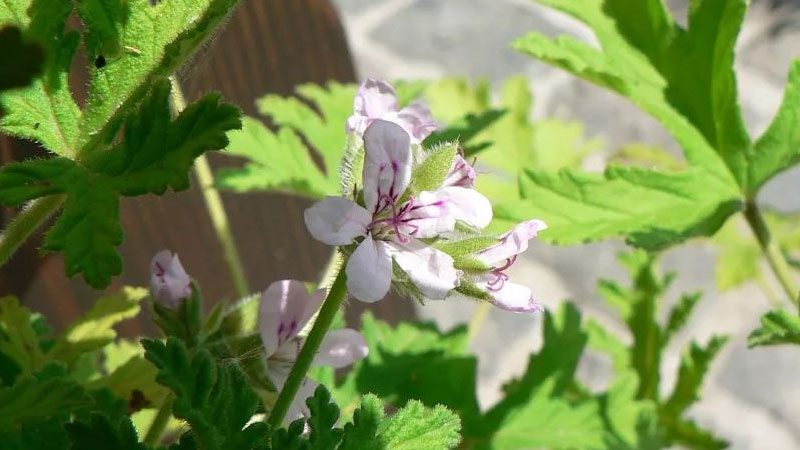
{"type": "Point", "coordinates": [414, 207]}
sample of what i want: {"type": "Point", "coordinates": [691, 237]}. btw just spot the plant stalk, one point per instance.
{"type": "Point", "coordinates": [160, 421]}
{"type": "Point", "coordinates": [216, 209]}
{"type": "Point", "coordinates": [773, 253]}
{"type": "Point", "coordinates": [26, 222]}
{"type": "Point", "coordinates": [333, 301]}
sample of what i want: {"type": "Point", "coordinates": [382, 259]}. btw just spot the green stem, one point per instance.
{"type": "Point", "coordinates": [160, 421]}
{"type": "Point", "coordinates": [216, 209]}
{"type": "Point", "coordinates": [26, 222]}
{"type": "Point", "coordinates": [774, 255]}
{"type": "Point", "coordinates": [336, 297]}
{"type": "Point", "coordinates": [478, 320]}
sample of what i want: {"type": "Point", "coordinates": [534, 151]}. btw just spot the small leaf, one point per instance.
{"type": "Point", "coordinates": [777, 327]}
{"type": "Point", "coordinates": [680, 315]}
{"type": "Point", "coordinates": [362, 433]}
{"type": "Point", "coordinates": [415, 427]}
{"type": "Point", "coordinates": [324, 415]}
{"type": "Point", "coordinates": [102, 433]}
{"type": "Point", "coordinates": [694, 365]}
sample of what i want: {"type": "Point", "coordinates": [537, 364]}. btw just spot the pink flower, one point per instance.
{"type": "Point", "coordinates": [169, 282]}
{"type": "Point", "coordinates": [500, 257]}
{"type": "Point", "coordinates": [390, 225]}
{"type": "Point", "coordinates": [377, 99]}
{"type": "Point", "coordinates": [286, 307]}
{"type": "Point", "coordinates": [461, 174]}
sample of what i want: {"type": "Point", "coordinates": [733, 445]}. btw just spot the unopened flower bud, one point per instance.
{"type": "Point", "coordinates": [169, 282]}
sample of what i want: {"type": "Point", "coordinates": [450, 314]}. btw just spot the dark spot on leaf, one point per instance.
{"type": "Point", "coordinates": [137, 402]}
{"type": "Point", "coordinates": [36, 126]}
{"type": "Point", "coordinates": [100, 61]}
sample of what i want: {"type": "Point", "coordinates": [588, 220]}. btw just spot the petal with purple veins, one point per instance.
{"type": "Point", "coordinates": [169, 282]}
{"type": "Point", "coordinates": [431, 270]}
{"type": "Point", "coordinates": [417, 120]}
{"type": "Point", "coordinates": [512, 243]}
{"type": "Point", "coordinates": [387, 165]}
{"type": "Point", "coordinates": [286, 307]}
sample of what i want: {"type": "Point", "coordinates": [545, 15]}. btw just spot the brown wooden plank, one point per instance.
{"type": "Point", "coordinates": [267, 46]}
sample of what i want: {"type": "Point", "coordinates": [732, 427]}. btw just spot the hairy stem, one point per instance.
{"type": "Point", "coordinates": [26, 222]}
{"type": "Point", "coordinates": [216, 209]}
{"type": "Point", "coordinates": [774, 256]}
{"type": "Point", "coordinates": [333, 301]}
{"type": "Point", "coordinates": [160, 421]}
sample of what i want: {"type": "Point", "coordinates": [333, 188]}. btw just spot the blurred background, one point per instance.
{"type": "Point", "coordinates": [751, 397]}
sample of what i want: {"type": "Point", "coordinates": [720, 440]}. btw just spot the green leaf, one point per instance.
{"type": "Point", "coordinates": [155, 155]}
{"type": "Point", "coordinates": [44, 111]}
{"type": "Point", "coordinates": [738, 258]}
{"type": "Point", "coordinates": [23, 61]}
{"type": "Point", "coordinates": [95, 329]}
{"type": "Point", "coordinates": [362, 432]}
{"type": "Point", "coordinates": [779, 147]}
{"type": "Point", "coordinates": [18, 339]}
{"type": "Point", "coordinates": [465, 130]}
{"type": "Point", "coordinates": [324, 415]}
{"type": "Point", "coordinates": [777, 327]}
{"type": "Point", "coordinates": [215, 399]}
{"type": "Point", "coordinates": [689, 434]}
{"type": "Point", "coordinates": [48, 434]}
{"type": "Point", "coordinates": [633, 422]}
{"type": "Point", "coordinates": [103, 433]}
{"type": "Point", "coordinates": [281, 160]}
{"type": "Point", "coordinates": [104, 20]}
{"type": "Point", "coordinates": [680, 315]}
{"type": "Point", "coordinates": [694, 365]}
{"type": "Point", "coordinates": [40, 397]}
{"type": "Point", "coordinates": [417, 427]}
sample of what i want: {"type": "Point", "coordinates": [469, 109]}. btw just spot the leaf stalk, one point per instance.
{"type": "Point", "coordinates": [26, 222]}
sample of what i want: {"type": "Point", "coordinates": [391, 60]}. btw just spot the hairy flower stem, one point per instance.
{"type": "Point", "coordinates": [333, 302]}
{"type": "Point", "coordinates": [774, 256]}
{"type": "Point", "coordinates": [26, 222]}
{"type": "Point", "coordinates": [160, 421]}
{"type": "Point", "coordinates": [216, 209]}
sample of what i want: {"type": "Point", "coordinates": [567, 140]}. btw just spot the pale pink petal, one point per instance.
{"type": "Point", "coordinates": [512, 297]}
{"type": "Point", "coordinates": [436, 212]}
{"type": "Point", "coordinates": [286, 306]}
{"type": "Point", "coordinates": [336, 220]}
{"type": "Point", "coordinates": [417, 120]}
{"type": "Point", "coordinates": [169, 282]}
{"type": "Point", "coordinates": [369, 271]}
{"type": "Point", "coordinates": [340, 348]}
{"type": "Point", "coordinates": [513, 243]}
{"type": "Point", "coordinates": [374, 99]}
{"type": "Point", "coordinates": [429, 269]}
{"type": "Point", "coordinates": [387, 165]}
{"type": "Point", "coordinates": [461, 174]}
{"type": "Point", "coordinates": [298, 408]}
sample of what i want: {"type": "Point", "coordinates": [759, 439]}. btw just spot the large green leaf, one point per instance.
{"type": "Point", "coordinates": [39, 397]}
{"type": "Point", "coordinates": [154, 155]}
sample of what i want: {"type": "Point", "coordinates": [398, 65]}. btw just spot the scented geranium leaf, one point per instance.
{"type": "Point", "coordinates": [694, 365]}
{"type": "Point", "coordinates": [18, 339]}
{"type": "Point", "coordinates": [362, 432]}
{"type": "Point", "coordinates": [100, 432]}
{"type": "Point", "coordinates": [465, 130]}
{"type": "Point", "coordinates": [779, 147]}
{"type": "Point", "coordinates": [653, 208]}
{"type": "Point", "coordinates": [633, 422]}
{"type": "Point", "coordinates": [680, 315]}
{"type": "Point", "coordinates": [415, 427]}
{"type": "Point", "coordinates": [324, 415]}
{"type": "Point", "coordinates": [48, 434]}
{"type": "Point", "coordinates": [215, 399]}
{"type": "Point", "coordinates": [155, 40]}
{"type": "Point", "coordinates": [277, 161]}
{"type": "Point", "coordinates": [689, 434]}
{"type": "Point", "coordinates": [155, 154]}
{"type": "Point", "coordinates": [23, 61]}
{"type": "Point", "coordinates": [777, 327]}
{"type": "Point", "coordinates": [104, 20]}
{"type": "Point", "coordinates": [95, 329]}
{"type": "Point", "coordinates": [40, 397]}
{"type": "Point", "coordinates": [44, 111]}
{"type": "Point", "coordinates": [738, 258]}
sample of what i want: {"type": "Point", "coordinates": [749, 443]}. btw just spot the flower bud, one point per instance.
{"type": "Point", "coordinates": [461, 174]}
{"type": "Point", "coordinates": [169, 282]}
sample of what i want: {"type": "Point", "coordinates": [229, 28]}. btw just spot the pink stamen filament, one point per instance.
{"type": "Point", "coordinates": [500, 277]}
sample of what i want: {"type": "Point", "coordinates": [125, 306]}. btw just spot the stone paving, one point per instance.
{"type": "Point", "coordinates": [751, 397]}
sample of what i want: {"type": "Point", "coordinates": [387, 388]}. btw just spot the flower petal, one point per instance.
{"type": "Point", "coordinates": [417, 120]}
{"type": "Point", "coordinates": [340, 348]}
{"type": "Point", "coordinates": [298, 408]}
{"type": "Point", "coordinates": [387, 164]}
{"type": "Point", "coordinates": [336, 220]}
{"type": "Point", "coordinates": [436, 212]}
{"type": "Point", "coordinates": [513, 297]}
{"type": "Point", "coordinates": [429, 269]}
{"type": "Point", "coordinates": [513, 243]}
{"type": "Point", "coordinates": [369, 271]}
{"type": "Point", "coordinates": [169, 282]}
{"type": "Point", "coordinates": [461, 174]}
{"type": "Point", "coordinates": [374, 99]}
{"type": "Point", "coordinates": [286, 306]}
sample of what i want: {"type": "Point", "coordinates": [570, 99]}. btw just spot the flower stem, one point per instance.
{"type": "Point", "coordinates": [478, 320]}
{"type": "Point", "coordinates": [159, 422]}
{"type": "Point", "coordinates": [774, 256]}
{"type": "Point", "coordinates": [216, 209]}
{"type": "Point", "coordinates": [26, 222]}
{"type": "Point", "coordinates": [336, 296]}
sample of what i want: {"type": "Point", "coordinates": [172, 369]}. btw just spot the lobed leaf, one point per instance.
{"type": "Point", "coordinates": [777, 327]}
